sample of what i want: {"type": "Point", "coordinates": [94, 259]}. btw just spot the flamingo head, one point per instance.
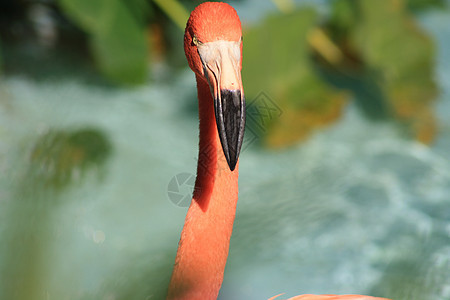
{"type": "Point", "coordinates": [213, 47]}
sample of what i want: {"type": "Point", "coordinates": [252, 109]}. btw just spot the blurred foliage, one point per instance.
{"type": "Point", "coordinates": [309, 65]}
{"type": "Point", "coordinates": [398, 56]}
{"type": "Point", "coordinates": [58, 155]}
{"type": "Point", "coordinates": [57, 159]}
{"type": "Point", "coordinates": [416, 5]}
{"type": "Point", "coordinates": [377, 44]}
{"type": "Point", "coordinates": [117, 33]}
{"type": "Point", "coordinates": [121, 33]}
{"type": "Point", "coordinates": [276, 61]}
{"type": "Point", "coordinates": [175, 11]}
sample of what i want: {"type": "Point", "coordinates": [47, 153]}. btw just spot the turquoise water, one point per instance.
{"type": "Point", "coordinates": [356, 209]}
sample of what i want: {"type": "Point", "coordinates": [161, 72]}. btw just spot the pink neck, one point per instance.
{"type": "Point", "coordinates": [205, 239]}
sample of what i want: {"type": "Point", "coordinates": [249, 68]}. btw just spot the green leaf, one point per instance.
{"type": "Point", "coordinates": [117, 36]}
{"type": "Point", "coordinates": [343, 17]}
{"type": "Point", "coordinates": [140, 10]}
{"type": "Point", "coordinates": [277, 62]}
{"type": "Point", "coordinates": [401, 57]}
{"type": "Point", "coordinates": [417, 5]}
{"type": "Point", "coordinates": [57, 155]}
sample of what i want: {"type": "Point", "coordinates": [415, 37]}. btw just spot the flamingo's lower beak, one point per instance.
{"type": "Point", "coordinates": [221, 64]}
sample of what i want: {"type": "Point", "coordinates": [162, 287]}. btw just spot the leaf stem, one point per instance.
{"type": "Point", "coordinates": [317, 38]}
{"type": "Point", "coordinates": [322, 43]}
{"type": "Point", "coordinates": [175, 11]}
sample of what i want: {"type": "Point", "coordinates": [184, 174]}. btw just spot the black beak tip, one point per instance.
{"type": "Point", "coordinates": [230, 119]}
{"type": "Point", "coordinates": [232, 164]}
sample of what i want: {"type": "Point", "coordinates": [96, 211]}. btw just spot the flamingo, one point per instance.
{"type": "Point", "coordinates": [213, 47]}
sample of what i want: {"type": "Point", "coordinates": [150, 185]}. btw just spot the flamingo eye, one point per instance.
{"type": "Point", "coordinates": [196, 42]}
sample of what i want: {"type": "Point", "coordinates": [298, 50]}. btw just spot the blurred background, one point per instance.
{"type": "Point", "coordinates": [344, 172]}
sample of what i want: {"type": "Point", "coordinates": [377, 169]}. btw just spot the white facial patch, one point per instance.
{"type": "Point", "coordinates": [216, 50]}
{"type": "Point", "coordinates": [221, 61]}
